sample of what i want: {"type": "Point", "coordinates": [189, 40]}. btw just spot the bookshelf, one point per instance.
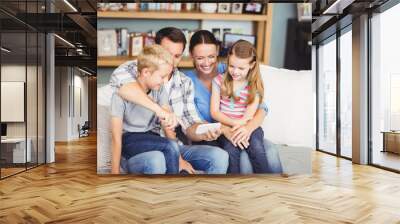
{"type": "Point", "coordinates": [180, 15]}
{"type": "Point", "coordinates": [262, 25]}
{"type": "Point", "coordinates": [115, 61]}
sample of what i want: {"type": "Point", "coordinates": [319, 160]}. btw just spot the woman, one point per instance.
{"type": "Point", "coordinates": [204, 49]}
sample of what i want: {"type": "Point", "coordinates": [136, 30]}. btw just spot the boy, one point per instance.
{"type": "Point", "coordinates": [134, 128]}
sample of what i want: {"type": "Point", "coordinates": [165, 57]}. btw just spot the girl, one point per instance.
{"type": "Point", "coordinates": [235, 98]}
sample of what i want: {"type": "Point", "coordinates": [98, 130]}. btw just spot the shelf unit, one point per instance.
{"type": "Point", "coordinates": [262, 29]}
{"type": "Point", "coordinates": [115, 61]}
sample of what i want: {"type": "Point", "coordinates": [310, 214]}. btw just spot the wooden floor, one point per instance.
{"type": "Point", "coordinates": [70, 191]}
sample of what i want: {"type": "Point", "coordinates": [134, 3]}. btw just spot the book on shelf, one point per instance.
{"type": "Point", "coordinates": [122, 41]}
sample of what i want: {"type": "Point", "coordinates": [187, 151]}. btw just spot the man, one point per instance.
{"type": "Point", "coordinates": [210, 159]}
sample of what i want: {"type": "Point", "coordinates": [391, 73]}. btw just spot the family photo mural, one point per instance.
{"type": "Point", "coordinates": [179, 99]}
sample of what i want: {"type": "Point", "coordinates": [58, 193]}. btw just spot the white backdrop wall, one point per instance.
{"type": "Point", "coordinates": [291, 98]}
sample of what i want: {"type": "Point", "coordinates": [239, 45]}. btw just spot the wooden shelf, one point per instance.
{"type": "Point", "coordinates": [262, 29]}
{"type": "Point", "coordinates": [179, 15]}
{"type": "Point", "coordinates": [116, 61]}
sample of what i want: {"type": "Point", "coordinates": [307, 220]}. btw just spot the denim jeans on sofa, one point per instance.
{"type": "Point", "coordinates": [154, 162]}
{"type": "Point", "coordinates": [273, 160]}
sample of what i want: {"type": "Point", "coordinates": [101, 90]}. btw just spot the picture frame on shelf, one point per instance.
{"type": "Point", "coordinates": [253, 8]}
{"type": "Point", "coordinates": [225, 31]}
{"type": "Point", "coordinates": [136, 45]}
{"type": "Point", "coordinates": [148, 40]}
{"type": "Point", "coordinates": [217, 33]}
{"type": "Point", "coordinates": [231, 38]}
{"type": "Point", "coordinates": [131, 6]}
{"type": "Point", "coordinates": [107, 42]}
{"type": "Point", "coordinates": [237, 8]}
{"type": "Point", "coordinates": [304, 12]}
{"type": "Point", "coordinates": [224, 7]}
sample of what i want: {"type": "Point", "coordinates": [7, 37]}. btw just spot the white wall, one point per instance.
{"type": "Point", "coordinates": [71, 87]}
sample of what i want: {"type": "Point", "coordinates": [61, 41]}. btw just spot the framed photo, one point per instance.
{"type": "Point", "coordinates": [217, 33]}
{"type": "Point", "coordinates": [136, 45]}
{"type": "Point", "coordinates": [237, 8]}
{"type": "Point", "coordinates": [304, 11]}
{"type": "Point", "coordinates": [231, 38]}
{"type": "Point", "coordinates": [224, 7]}
{"type": "Point", "coordinates": [253, 8]}
{"type": "Point", "coordinates": [149, 40]}
{"type": "Point", "coordinates": [106, 43]}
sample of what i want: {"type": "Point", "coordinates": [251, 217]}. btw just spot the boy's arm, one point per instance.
{"type": "Point", "coordinates": [116, 132]}
{"type": "Point", "coordinates": [169, 132]}
{"type": "Point", "coordinates": [132, 92]}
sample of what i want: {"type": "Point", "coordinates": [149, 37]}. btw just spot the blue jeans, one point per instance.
{"type": "Point", "coordinates": [255, 151]}
{"type": "Point", "coordinates": [152, 162]}
{"type": "Point", "coordinates": [210, 159]}
{"type": "Point", "coordinates": [134, 143]}
{"type": "Point", "coordinates": [271, 151]}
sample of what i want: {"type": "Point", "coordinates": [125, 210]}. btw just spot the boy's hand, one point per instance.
{"type": "Point", "coordinates": [114, 170]}
{"type": "Point", "coordinates": [185, 165]}
{"type": "Point", "coordinates": [168, 119]}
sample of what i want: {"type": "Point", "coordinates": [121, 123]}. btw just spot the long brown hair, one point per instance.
{"type": "Point", "coordinates": [244, 49]}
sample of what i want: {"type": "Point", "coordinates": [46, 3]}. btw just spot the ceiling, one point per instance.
{"type": "Point", "coordinates": [73, 20]}
{"type": "Point", "coordinates": [332, 15]}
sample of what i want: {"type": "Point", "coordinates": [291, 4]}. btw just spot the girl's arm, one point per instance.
{"type": "Point", "coordinates": [116, 132]}
{"type": "Point", "coordinates": [216, 114]}
{"type": "Point", "coordinates": [251, 109]}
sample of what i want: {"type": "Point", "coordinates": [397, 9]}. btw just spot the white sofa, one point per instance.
{"type": "Point", "coordinates": [289, 124]}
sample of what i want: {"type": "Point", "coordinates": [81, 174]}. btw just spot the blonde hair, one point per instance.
{"type": "Point", "coordinates": [152, 57]}
{"type": "Point", "coordinates": [244, 49]}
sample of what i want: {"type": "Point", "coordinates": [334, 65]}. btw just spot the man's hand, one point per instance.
{"type": "Point", "coordinates": [185, 165]}
{"type": "Point", "coordinates": [211, 135]}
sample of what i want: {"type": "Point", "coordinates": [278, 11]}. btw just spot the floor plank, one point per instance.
{"type": "Point", "coordinates": [70, 191]}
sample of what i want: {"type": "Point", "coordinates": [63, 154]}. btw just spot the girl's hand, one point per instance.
{"type": "Point", "coordinates": [241, 136]}
{"type": "Point", "coordinates": [228, 133]}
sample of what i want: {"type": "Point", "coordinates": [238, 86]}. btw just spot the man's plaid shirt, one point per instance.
{"type": "Point", "coordinates": [181, 95]}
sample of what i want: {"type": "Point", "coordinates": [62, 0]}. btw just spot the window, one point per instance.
{"type": "Point", "coordinates": [327, 96]}
{"type": "Point", "coordinates": [385, 86]}
{"type": "Point", "coordinates": [346, 93]}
